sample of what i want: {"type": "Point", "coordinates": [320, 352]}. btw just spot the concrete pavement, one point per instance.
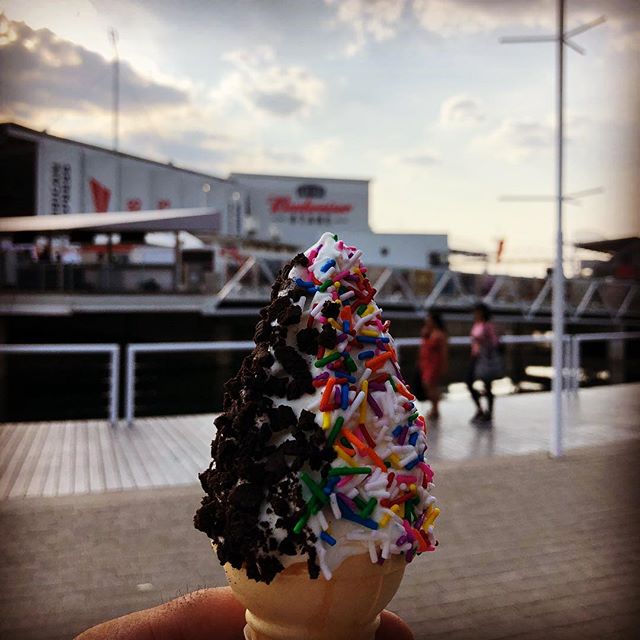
{"type": "Point", "coordinates": [530, 548]}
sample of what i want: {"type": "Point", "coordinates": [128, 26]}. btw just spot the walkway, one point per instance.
{"type": "Point", "coordinates": [63, 458]}
{"type": "Point", "coordinates": [530, 548]}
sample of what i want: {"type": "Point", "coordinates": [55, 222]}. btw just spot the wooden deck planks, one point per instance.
{"type": "Point", "coordinates": [95, 467]}
{"type": "Point", "coordinates": [7, 431]}
{"type": "Point", "coordinates": [14, 462]}
{"type": "Point", "coordinates": [196, 451]}
{"type": "Point", "coordinates": [66, 472]}
{"type": "Point", "coordinates": [115, 477]}
{"type": "Point", "coordinates": [162, 450]}
{"type": "Point", "coordinates": [81, 460]}
{"type": "Point", "coordinates": [128, 454]}
{"type": "Point", "coordinates": [50, 485]}
{"type": "Point", "coordinates": [30, 463]}
{"type": "Point", "coordinates": [146, 449]}
{"type": "Point", "coordinates": [64, 458]}
{"type": "Point", "coordinates": [41, 468]}
{"type": "Point", "coordinates": [12, 436]}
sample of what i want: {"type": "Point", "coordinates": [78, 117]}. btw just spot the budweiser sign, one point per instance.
{"type": "Point", "coordinates": [284, 204]}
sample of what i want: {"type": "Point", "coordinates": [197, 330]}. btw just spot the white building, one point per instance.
{"type": "Point", "coordinates": [44, 175]}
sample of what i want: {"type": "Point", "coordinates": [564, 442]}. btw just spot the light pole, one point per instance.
{"type": "Point", "coordinates": [116, 89]}
{"type": "Point", "coordinates": [561, 38]}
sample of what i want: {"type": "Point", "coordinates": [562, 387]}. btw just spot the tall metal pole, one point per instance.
{"type": "Point", "coordinates": [116, 90]}
{"type": "Point", "coordinates": [558, 304]}
{"type": "Point", "coordinates": [561, 38]}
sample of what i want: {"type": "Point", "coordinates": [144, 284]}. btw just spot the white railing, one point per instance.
{"type": "Point", "coordinates": [247, 345]}
{"type": "Point", "coordinates": [114, 364]}
{"type": "Point", "coordinates": [575, 351]}
{"type": "Point", "coordinates": [571, 371]}
{"type": "Point", "coordinates": [169, 347]}
{"type": "Point", "coordinates": [466, 340]}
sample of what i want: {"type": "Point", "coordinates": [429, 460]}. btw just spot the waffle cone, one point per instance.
{"type": "Point", "coordinates": [293, 606]}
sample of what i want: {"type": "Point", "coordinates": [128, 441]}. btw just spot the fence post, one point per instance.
{"type": "Point", "coordinates": [566, 364]}
{"type": "Point", "coordinates": [575, 365]}
{"type": "Point", "coordinates": [130, 382]}
{"type": "Point", "coordinates": [114, 392]}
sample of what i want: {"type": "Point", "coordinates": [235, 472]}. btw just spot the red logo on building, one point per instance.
{"type": "Point", "coordinates": [100, 195]}
{"type": "Point", "coordinates": [284, 204]}
{"type": "Point", "coordinates": [134, 204]}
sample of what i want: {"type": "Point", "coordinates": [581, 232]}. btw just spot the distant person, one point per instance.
{"type": "Point", "coordinates": [485, 363]}
{"type": "Point", "coordinates": [433, 360]}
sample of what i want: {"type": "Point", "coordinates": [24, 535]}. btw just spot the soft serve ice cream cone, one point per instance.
{"type": "Point", "coordinates": [293, 606]}
{"type": "Point", "coordinates": [318, 493]}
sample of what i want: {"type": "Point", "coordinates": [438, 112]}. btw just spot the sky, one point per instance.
{"type": "Point", "coordinates": [417, 95]}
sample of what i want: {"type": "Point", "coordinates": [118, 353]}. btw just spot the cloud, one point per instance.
{"type": "Point", "coordinates": [461, 17]}
{"type": "Point", "coordinates": [41, 72]}
{"type": "Point", "coordinates": [286, 158]}
{"type": "Point", "coordinates": [416, 158]}
{"type": "Point", "coordinates": [375, 19]}
{"type": "Point", "coordinates": [49, 82]}
{"type": "Point", "coordinates": [456, 17]}
{"type": "Point", "coordinates": [322, 153]}
{"type": "Point", "coordinates": [380, 20]}
{"type": "Point", "coordinates": [629, 41]}
{"type": "Point", "coordinates": [421, 159]}
{"type": "Point", "coordinates": [461, 111]}
{"type": "Point", "coordinates": [265, 85]}
{"type": "Point", "coordinates": [516, 140]}
{"type": "Point", "coordinates": [189, 147]}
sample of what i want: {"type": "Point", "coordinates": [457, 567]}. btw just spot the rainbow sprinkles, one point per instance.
{"type": "Point", "coordinates": [379, 481]}
{"type": "Point", "coordinates": [319, 453]}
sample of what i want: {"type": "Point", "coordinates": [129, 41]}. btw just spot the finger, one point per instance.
{"type": "Point", "coordinates": [393, 627]}
{"type": "Point", "coordinates": [201, 615]}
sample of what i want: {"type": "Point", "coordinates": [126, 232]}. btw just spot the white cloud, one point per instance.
{"type": "Point", "coordinates": [417, 158]}
{"type": "Point", "coordinates": [516, 140]}
{"type": "Point", "coordinates": [379, 20]}
{"type": "Point", "coordinates": [369, 19]}
{"type": "Point", "coordinates": [421, 158]}
{"type": "Point", "coordinates": [264, 85]}
{"type": "Point", "coordinates": [53, 83]}
{"type": "Point", "coordinates": [627, 42]}
{"type": "Point", "coordinates": [321, 154]}
{"type": "Point", "coordinates": [461, 111]}
{"type": "Point", "coordinates": [42, 74]}
{"type": "Point", "coordinates": [456, 17]}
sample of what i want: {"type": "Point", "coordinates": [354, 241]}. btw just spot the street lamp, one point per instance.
{"type": "Point", "coordinates": [561, 38]}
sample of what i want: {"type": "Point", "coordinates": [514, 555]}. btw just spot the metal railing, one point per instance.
{"type": "Point", "coordinates": [176, 347]}
{"type": "Point", "coordinates": [571, 371]}
{"type": "Point", "coordinates": [606, 298]}
{"type": "Point", "coordinates": [466, 340]}
{"type": "Point", "coordinates": [574, 353]}
{"type": "Point", "coordinates": [114, 364]}
{"type": "Point", "coordinates": [168, 347]}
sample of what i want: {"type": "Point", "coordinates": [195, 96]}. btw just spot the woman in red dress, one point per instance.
{"type": "Point", "coordinates": [433, 359]}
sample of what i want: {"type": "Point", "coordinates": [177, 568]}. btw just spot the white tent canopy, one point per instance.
{"type": "Point", "coordinates": [191, 220]}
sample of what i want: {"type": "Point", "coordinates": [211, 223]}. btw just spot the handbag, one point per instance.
{"type": "Point", "coordinates": [489, 365]}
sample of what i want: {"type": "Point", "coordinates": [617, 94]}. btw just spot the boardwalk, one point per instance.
{"type": "Point", "coordinates": [66, 458]}
{"type": "Point", "coordinates": [531, 548]}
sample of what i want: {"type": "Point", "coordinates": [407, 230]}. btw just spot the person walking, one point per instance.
{"type": "Point", "coordinates": [433, 360]}
{"type": "Point", "coordinates": [485, 363]}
